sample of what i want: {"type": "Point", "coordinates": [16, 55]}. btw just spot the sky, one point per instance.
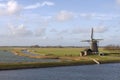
{"type": "Point", "coordinates": [59, 22]}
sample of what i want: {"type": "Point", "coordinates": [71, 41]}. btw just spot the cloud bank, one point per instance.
{"type": "Point", "coordinates": [12, 7]}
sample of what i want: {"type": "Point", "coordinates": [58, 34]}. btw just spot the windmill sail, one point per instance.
{"type": "Point", "coordinates": [92, 34]}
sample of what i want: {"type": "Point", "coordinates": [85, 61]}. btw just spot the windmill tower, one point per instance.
{"type": "Point", "coordinates": [93, 43]}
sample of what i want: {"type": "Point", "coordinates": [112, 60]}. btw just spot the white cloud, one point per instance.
{"type": "Point", "coordinates": [19, 31]}
{"type": "Point", "coordinates": [64, 16]}
{"type": "Point", "coordinates": [100, 29]}
{"type": "Point", "coordinates": [45, 38]}
{"type": "Point", "coordinates": [2, 5]}
{"type": "Point", "coordinates": [99, 16]}
{"type": "Point", "coordinates": [47, 3]}
{"type": "Point", "coordinates": [13, 7]}
{"type": "Point", "coordinates": [32, 6]}
{"type": "Point", "coordinates": [10, 8]}
{"type": "Point", "coordinates": [79, 30]}
{"type": "Point", "coordinates": [118, 2]}
{"type": "Point", "coordinates": [87, 16]}
{"type": "Point", "coordinates": [60, 38]}
{"type": "Point", "coordinates": [40, 32]}
{"type": "Point", "coordinates": [53, 30]}
{"type": "Point", "coordinates": [22, 31]}
{"type": "Point", "coordinates": [37, 5]}
{"type": "Point", "coordinates": [63, 32]}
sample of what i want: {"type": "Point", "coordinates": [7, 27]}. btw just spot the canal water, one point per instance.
{"type": "Point", "coordinates": [86, 72]}
{"type": "Point", "coordinates": [8, 57]}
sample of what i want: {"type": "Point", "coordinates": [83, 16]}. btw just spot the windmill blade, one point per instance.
{"type": "Point", "coordinates": [92, 34]}
{"type": "Point", "coordinates": [86, 41]}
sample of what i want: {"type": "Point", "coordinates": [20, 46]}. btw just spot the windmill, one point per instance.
{"type": "Point", "coordinates": [93, 42]}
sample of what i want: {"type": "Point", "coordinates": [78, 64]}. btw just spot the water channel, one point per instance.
{"type": "Point", "coordinates": [86, 72]}
{"type": "Point", "coordinates": [8, 57]}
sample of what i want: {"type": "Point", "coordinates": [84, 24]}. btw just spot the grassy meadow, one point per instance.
{"type": "Point", "coordinates": [68, 51]}
{"type": "Point", "coordinates": [57, 51]}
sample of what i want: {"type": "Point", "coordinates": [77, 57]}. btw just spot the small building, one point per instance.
{"type": "Point", "coordinates": [86, 52]}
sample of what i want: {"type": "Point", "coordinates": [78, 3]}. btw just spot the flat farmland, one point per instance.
{"type": "Point", "coordinates": [57, 51]}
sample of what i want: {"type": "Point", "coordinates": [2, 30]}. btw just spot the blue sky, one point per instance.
{"type": "Point", "coordinates": [58, 22]}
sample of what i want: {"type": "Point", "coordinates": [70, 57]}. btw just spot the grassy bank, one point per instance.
{"type": "Point", "coordinates": [15, 66]}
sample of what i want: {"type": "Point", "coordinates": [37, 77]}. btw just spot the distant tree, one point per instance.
{"type": "Point", "coordinates": [35, 46]}
{"type": "Point", "coordinates": [112, 47]}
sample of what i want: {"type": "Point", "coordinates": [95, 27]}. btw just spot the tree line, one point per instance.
{"type": "Point", "coordinates": [112, 47]}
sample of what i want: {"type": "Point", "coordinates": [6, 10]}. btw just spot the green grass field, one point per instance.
{"type": "Point", "coordinates": [57, 51]}
{"type": "Point", "coordinates": [75, 53]}
{"type": "Point", "coordinates": [68, 51]}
